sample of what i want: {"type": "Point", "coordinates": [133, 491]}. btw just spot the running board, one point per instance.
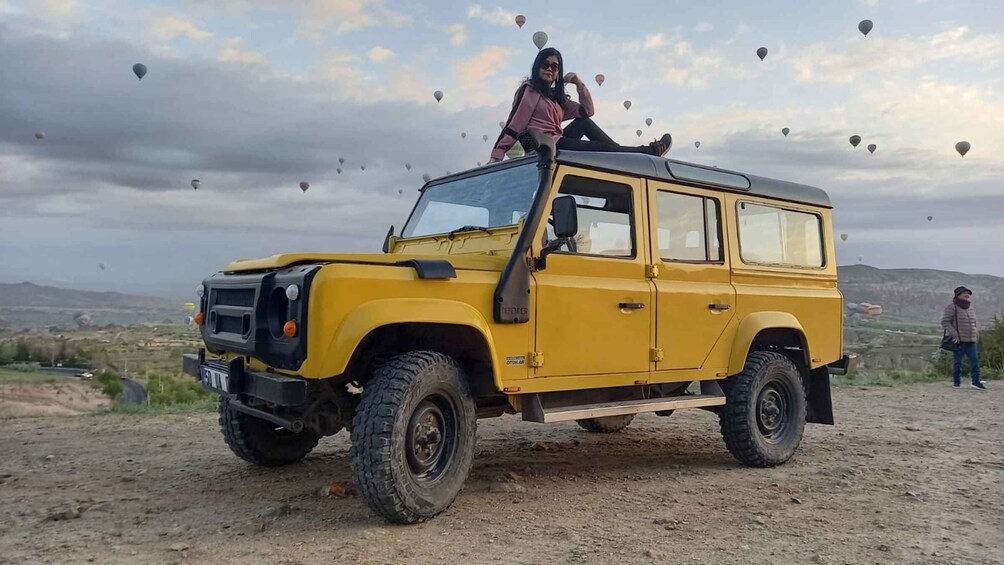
{"type": "Point", "coordinates": [534, 411]}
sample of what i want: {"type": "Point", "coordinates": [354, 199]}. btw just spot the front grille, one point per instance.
{"type": "Point", "coordinates": [235, 325]}
{"type": "Point", "coordinates": [243, 297]}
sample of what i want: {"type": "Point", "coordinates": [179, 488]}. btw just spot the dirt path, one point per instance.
{"type": "Point", "coordinates": [909, 475]}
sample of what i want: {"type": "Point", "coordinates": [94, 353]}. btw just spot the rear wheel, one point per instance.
{"type": "Point", "coordinates": [764, 415]}
{"type": "Point", "coordinates": [413, 437]}
{"type": "Point", "coordinates": [261, 442]}
{"type": "Point", "coordinates": [606, 424]}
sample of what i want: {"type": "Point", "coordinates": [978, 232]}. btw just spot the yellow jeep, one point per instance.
{"type": "Point", "coordinates": [584, 287]}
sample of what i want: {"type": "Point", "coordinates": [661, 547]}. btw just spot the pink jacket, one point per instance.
{"type": "Point", "coordinates": [536, 111]}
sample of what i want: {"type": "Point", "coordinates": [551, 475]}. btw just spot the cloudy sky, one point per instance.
{"type": "Point", "coordinates": [253, 96]}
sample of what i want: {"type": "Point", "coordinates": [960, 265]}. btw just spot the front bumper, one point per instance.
{"type": "Point", "coordinates": [839, 367]}
{"type": "Point", "coordinates": [271, 388]}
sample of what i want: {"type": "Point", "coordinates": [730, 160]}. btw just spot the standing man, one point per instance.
{"type": "Point", "coordinates": [959, 322]}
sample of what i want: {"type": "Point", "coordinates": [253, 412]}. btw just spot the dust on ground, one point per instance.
{"type": "Point", "coordinates": [66, 398]}
{"type": "Point", "coordinates": [910, 474]}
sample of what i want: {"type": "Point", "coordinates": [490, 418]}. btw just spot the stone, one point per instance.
{"type": "Point", "coordinates": [912, 428]}
{"type": "Point", "coordinates": [506, 488]}
{"type": "Point", "coordinates": [654, 554]}
{"type": "Point", "coordinates": [180, 546]}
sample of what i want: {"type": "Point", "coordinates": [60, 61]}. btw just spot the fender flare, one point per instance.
{"type": "Point", "coordinates": [752, 325]}
{"type": "Point", "coordinates": [375, 314]}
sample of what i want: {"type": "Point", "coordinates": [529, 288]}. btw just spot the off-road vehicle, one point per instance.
{"type": "Point", "coordinates": [570, 286]}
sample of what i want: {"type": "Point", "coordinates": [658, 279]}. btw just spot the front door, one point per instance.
{"type": "Point", "coordinates": [695, 297]}
{"type": "Point", "coordinates": [594, 303]}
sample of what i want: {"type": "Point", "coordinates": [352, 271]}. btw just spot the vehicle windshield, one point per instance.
{"type": "Point", "coordinates": [498, 198]}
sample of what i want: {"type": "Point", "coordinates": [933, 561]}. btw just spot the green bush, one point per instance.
{"type": "Point", "coordinates": [110, 382]}
{"type": "Point", "coordinates": [165, 390]}
{"type": "Point", "coordinates": [23, 367]}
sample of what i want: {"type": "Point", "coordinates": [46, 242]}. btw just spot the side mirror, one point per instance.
{"type": "Point", "coordinates": [566, 217]}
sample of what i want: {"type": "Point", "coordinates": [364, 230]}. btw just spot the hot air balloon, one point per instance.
{"type": "Point", "coordinates": [479, 163]}
{"type": "Point", "coordinates": [196, 183]}
{"type": "Point", "coordinates": [843, 237]}
{"type": "Point", "coordinates": [189, 307]}
{"type": "Point", "coordinates": [501, 124]}
{"type": "Point", "coordinates": [697, 144]}
{"type": "Point", "coordinates": [539, 39]}
{"type": "Point", "coordinates": [785, 131]}
{"type": "Point", "coordinates": [762, 53]}
{"type": "Point", "coordinates": [599, 79]}
{"type": "Point", "coordinates": [339, 171]}
{"type": "Point", "coordinates": [855, 140]}
{"type": "Point", "coordinates": [865, 26]}
{"type": "Point", "coordinates": [341, 160]}
{"type": "Point", "coordinates": [304, 185]}
{"type": "Point", "coordinates": [407, 166]}
{"type": "Point", "coordinates": [638, 132]}
{"type": "Point", "coordinates": [102, 266]}
{"type": "Point", "coordinates": [426, 177]}
{"type": "Point", "coordinates": [520, 20]}
{"type": "Point", "coordinates": [929, 218]}
{"type": "Point", "coordinates": [463, 135]}
{"type": "Point", "coordinates": [648, 121]}
{"type": "Point", "coordinates": [627, 104]}
{"type": "Point", "coordinates": [860, 258]}
{"type": "Point", "coordinates": [872, 148]}
{"type": "Point", "coordinates": [963, 147]}
{"type": "Point", "coordinates": [362, 167]}
{"type": "Point", "coordinates": [39, 135]}
{"type": "Point", "coordinates": [438, 95]}
{"type": "Point", "coordinates": [139, 69]}
{"type": "Point", "coordinates": [400, 191]}
{"type": "Point", "coordinates": [485, 137]}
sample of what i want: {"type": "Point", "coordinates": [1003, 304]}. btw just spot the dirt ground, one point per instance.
{"type": "Point", "coordinates": [67, 398]}
{"type": "Point", "coordinates": [909, 475]}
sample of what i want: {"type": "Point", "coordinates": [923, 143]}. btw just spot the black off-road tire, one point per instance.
{"type": "Point", "coordinates": [261, 442]}
{"type": "Point", "coordinates": [606, 424]}
{"type": "Point", "coordinates": [764, 415]}
{"type": "Point", "coordinates": [400, 468]}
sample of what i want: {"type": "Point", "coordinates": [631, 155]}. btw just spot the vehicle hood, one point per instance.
{"type": "Point", "coordinates": [472, 262]}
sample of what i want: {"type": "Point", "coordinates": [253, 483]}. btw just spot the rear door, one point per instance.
{"type": "Point", "coordinates": [695, 299]}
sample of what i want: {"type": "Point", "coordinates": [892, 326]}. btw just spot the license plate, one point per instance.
{"type": "Point", "coordinates": [216, 379]}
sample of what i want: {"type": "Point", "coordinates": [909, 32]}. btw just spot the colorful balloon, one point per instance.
{"type": "Point", "coordinates": [304, 185]}
{"type": "Point", "coordinates": [426, 177]}
{"type": "Point", "coordinates": [638, 133]}
{"type": "Point", "coordinates": [39, 135]}
{"type": "Point", "coordinates": [139, 69]}
{"type": "Point", "coordinates": [485, 137]}
{"type": "Point", "coordinates": [463, 135]}
{"type": "Point", "coordinates": [400, 191]}
{"type": "Point", "coordinates": [341, 160]}
{"type": "Point", "coordinates": [438, 95]}
{"type": "Point", "coordinates": [697, 144]}
{"type": "Point", "coordinates": [339, 171]}
{"type": "Point", "coordinates": [855, 140]}
{"type": "Point", "coordinates": [785, 131]}
{"type": "Point", "coordinates": [627, 104]}
{"type": "Point", "coordinates": [196, 183]}
{"type": "Point", "coordinates": [843, 237]}
{"type": "Point", "coordinates": [539, 39]}
{"type": "Point", "coordinates": [872, 148]}
{"type": "Point", "coordinates": [762, 53]}
{"type": "Point", "coordinates": [963, 147]}
{"type": "Point", "coordinates": [362, 167]}
{"type": "Point", "coordinates": [648, 121]}
{"type": "Point", "coordinates": [520, 20]}
{"type": "Point", "coordinates": [407, 166]}
{"type": "Point", "coordinates": [599, 79]}
{"type": "Point", "coordinates": [865, 26]}
{"type": "Point", "coordinates": [929, 218]}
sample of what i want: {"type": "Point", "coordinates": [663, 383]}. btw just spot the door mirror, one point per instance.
{"type": "Point", "coordinates": [566, 217]}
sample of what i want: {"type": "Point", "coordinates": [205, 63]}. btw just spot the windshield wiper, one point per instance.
{"type": "Point", "coordinates": [466, 228]}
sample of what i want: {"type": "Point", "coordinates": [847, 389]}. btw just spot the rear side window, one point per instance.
{"type": "Point", "coordinates": [769, 235]}
{"type": "Point", "coordinates": [688, 227]}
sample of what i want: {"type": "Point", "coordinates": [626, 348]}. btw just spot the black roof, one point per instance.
{"type": "Point", "coordinates": [649, 166]}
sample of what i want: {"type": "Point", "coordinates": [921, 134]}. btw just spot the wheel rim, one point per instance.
{"type": "Point", "coordinates": [431, 439]}
{"type": "Point", "coordinates": [774, 411]}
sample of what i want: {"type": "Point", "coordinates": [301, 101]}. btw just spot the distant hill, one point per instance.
{"type": "Point", "coordinates": [918, 296]}
{"type": "Point", "coordinates": [28, 305]}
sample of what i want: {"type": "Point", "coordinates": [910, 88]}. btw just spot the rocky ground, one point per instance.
{"type": "Point", "coordinates": [911, 474]}
{"type": "Point", "coordinates": [49, 399]}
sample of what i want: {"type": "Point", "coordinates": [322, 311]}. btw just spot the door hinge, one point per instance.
{"type": "Point", "coordinates": [652, 271]}
{"type": "Point", "coordinates": [536, 359]}
{"type": "Point", "coordinates": [656, 355]}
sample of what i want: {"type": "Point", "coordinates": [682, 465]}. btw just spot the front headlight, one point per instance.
{"type": "Point", "coordinates": [200, 290]}
{"type": "Point", "coordinates": [292, 292]}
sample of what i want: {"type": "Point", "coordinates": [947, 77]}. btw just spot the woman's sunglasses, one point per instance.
{"type": "Point", "coordinates": [549, 66]}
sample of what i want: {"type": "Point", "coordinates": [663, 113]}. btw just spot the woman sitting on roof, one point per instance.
{"type": "Point", "coordinates": [541, 103]}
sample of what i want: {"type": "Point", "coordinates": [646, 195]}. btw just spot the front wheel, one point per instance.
{"type": "Point", "coordinates": [413, 436]}
{"type": "Point", "coordinates": [764, 414]}
{"type": "Point", "coordinates": [261, 442]}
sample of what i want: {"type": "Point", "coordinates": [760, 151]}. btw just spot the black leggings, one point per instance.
{"type": "Point", "coordinates": [596, 139]}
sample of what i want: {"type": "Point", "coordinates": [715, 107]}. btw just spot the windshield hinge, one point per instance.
{"type": "Point", "coordinates": [652, 271]}
{"type": "Point", "coordinates": [536, 359]}
{"type": "Point", "coordinates": [656, 355]}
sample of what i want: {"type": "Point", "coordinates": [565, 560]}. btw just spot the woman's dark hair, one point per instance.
{"type": "Point", "coordinates": [556, 92]}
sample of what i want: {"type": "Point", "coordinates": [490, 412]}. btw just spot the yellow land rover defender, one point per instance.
{"type": "Point", "coordinates": [584, 287]}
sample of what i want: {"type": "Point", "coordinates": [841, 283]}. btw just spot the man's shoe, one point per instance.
{"type": "Point", "coordinates": [979, 386]}
{"type": "Point", "coordinates": [660, 146]}
{"type": "Point", "coordinates": [956, 386]}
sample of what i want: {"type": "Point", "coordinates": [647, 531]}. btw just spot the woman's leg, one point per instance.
{"type": "Point", "coordinates": [586, 127]}
{"type": "Point", "coordinates": [957, 365]}
{"type": "Point", "coordinates": [598, 140]}
{"type": "Point", "coordinates": [571, 144]}
{"type": "Point", "coordinates": [972, 352]}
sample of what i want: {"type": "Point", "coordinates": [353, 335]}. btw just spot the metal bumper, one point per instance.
{"type": "Point", "coordinates": [839, 367]}
{"type": "Point", "coordinates": [268, 387]}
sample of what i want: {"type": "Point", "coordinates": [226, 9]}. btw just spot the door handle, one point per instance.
{"type": "Point", "coordinates": [719, 306]}
{"type": "Point", "coordinates": [631, 305]}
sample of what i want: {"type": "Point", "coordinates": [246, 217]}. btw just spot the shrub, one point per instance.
{"type": "Point", "coordinates": [110, 382]}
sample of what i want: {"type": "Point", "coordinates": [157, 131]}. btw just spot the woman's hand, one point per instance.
{"type": "Point", "coordinates": [573, 78]}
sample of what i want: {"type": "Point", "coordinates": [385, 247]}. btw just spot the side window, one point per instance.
{"type": "Point", "coordinates": [775, 236]}
{"type": "Point", "coordinates": [606, 217]}
{"type": "Point", "coordinates": [688, 227]}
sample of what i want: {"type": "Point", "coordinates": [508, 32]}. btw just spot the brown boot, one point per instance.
{"type": "Point", "coordinates": [660, 146]}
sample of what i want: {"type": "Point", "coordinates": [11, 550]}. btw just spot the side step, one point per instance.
{"type": "Point", "coordinates": [534, 411]}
